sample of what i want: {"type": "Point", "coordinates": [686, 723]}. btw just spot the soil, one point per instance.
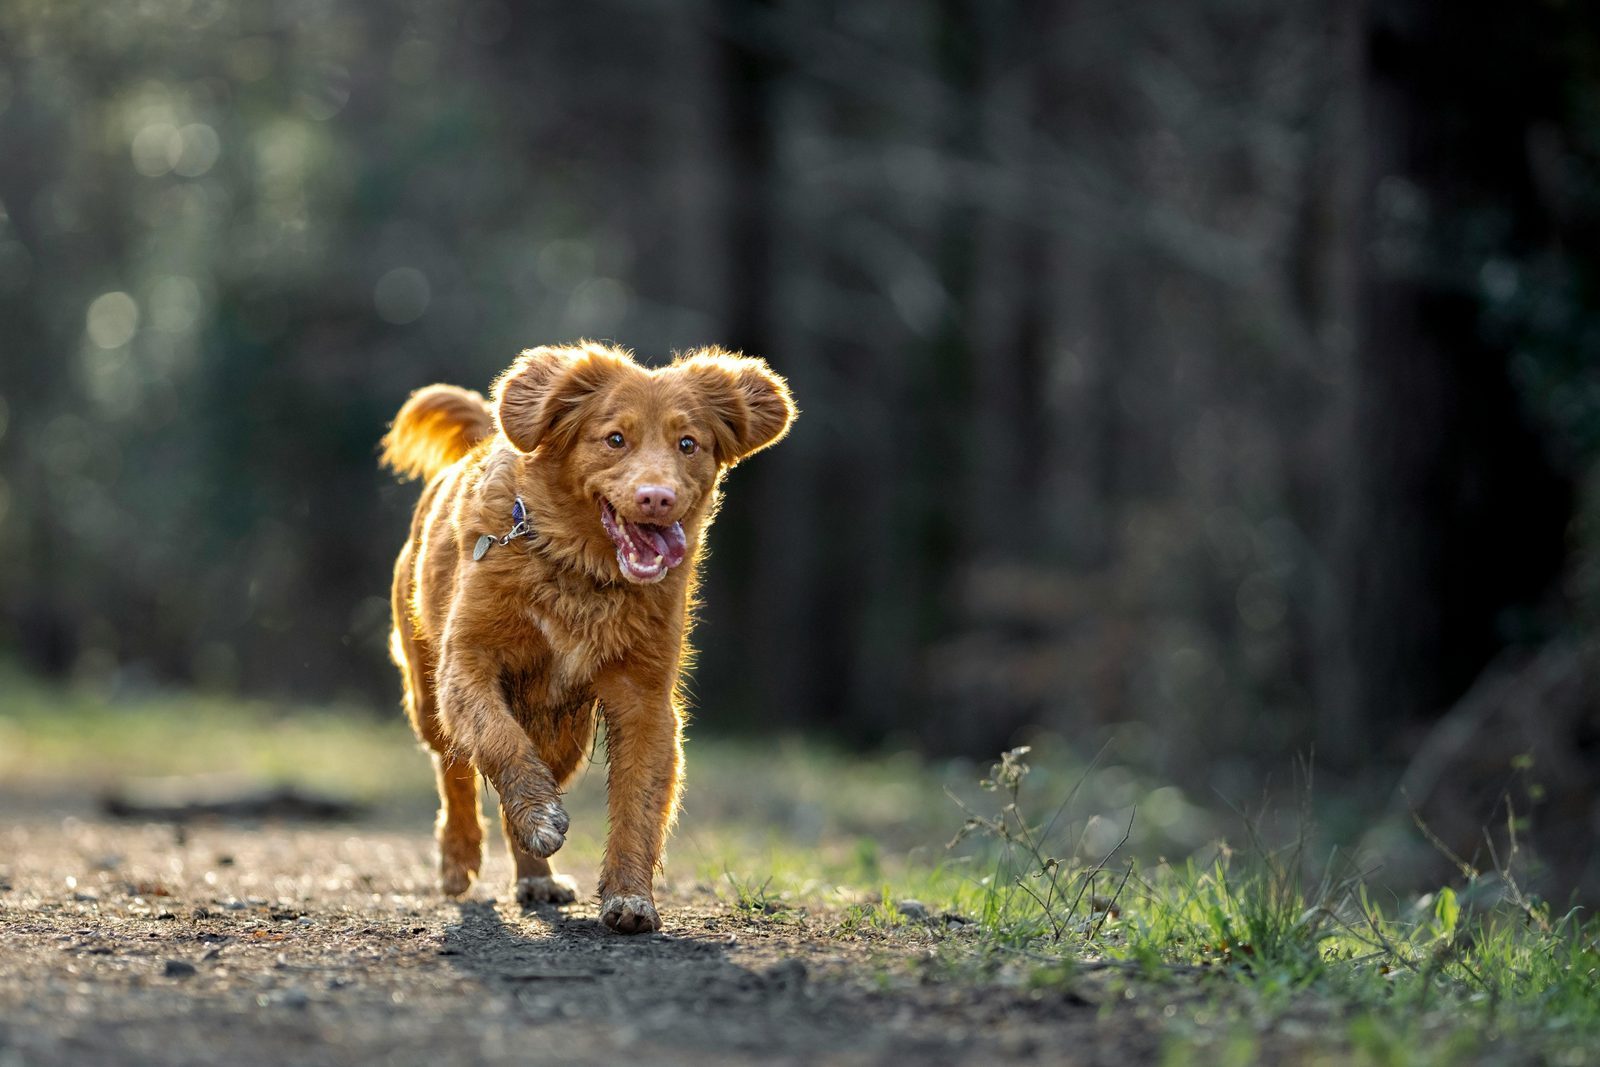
{"type": "Point", "coordinates": [273, 944]}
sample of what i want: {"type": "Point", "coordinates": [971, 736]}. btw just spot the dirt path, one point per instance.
{"type": "Point", "coordinates": [271, 945]}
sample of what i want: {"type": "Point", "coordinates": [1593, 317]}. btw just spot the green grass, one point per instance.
{"type": "Point", "coordinates": [1233, 954]}
{"type": "Point", "coordinates": [1437, 979]}
{"type": "Point", "coordinates": [1239, 953]}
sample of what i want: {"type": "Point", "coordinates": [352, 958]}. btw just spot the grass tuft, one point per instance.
{"type": "Point", "coordinates": [1290, 935]}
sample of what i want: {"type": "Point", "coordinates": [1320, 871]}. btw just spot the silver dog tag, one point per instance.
{"type": "Point", "coordinates": [482, 546]}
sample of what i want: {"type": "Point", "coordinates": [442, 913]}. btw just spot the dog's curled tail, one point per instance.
{"type": "Point", "coordinates": [437, 426]}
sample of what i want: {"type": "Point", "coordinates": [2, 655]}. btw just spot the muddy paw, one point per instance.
{"type": "Point", "coordinates": [542, 827]}
{"type": "Point", "coordinates": [555, 889]}
{"type": "Point", "coordinates": [630, 915]}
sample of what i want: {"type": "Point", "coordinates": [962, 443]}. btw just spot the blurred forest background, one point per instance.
{"type": "Point", "coordinates": [1222, 374]}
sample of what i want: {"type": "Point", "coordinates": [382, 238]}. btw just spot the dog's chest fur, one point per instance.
{"type": "Point", "coordinates": [576, 627]}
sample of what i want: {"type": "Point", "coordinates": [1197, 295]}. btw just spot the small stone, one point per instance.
{"type": "Point", "coordinates": [914, 910]}
{"type": "Point", "coordinates": [179, 969]}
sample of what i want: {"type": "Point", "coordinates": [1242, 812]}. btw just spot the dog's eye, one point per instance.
{"type": "Point", "coordinates": [688, 446]}
{"type": "Point", "coordinates": [615, 440]}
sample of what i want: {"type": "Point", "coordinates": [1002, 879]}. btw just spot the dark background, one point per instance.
{"type": "Point", "coordinates": [1220, 374]}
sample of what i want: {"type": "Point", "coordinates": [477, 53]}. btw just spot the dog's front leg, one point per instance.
{"type": "Point", "coordinates": [479, 724]}
{"type": "Point", "coordinates": [644, 752]}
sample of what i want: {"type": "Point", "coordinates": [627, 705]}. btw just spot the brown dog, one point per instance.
{"type": "Point", "coordinates": [548, 580]}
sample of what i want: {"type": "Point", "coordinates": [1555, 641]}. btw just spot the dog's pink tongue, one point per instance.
{"type": "Point", "coordinates": [670, 542]}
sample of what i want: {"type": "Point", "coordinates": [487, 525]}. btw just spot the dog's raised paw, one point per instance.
{"type": "Point", "coordinates": [554, 889]}
{"type": "Point", "coordinates": [630, 915]}
{"type": "Point", "coordinates": [542, 826]}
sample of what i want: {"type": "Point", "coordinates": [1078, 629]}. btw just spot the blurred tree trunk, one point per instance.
{"type": "Point", "coordinates": [1454, 513]}
{"type": "Point", "coordinates": [767, 516]}
{"type": "Point", "coordinates": [67, 234]}
{"type": "Point", "coordinates": [1327, 286]}
{"type": "Point", "coordinates": [30, 381]}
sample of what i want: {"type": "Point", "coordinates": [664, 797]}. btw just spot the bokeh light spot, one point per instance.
{"type": "Point", "coordinates": [402, 295]}
{"type": "Point", "coordinates": [156, 149]}
{"type": "Point", "coordinates": [112, 320]}
{"type": "Point", "coordinates": [175, 305]}
{"type": "Point", "coordinates": [322, 92]}
{"type": "Point", "coordinates": [598, 305]}
{"type": "Point", "coordinates": [198, 149]}
{"type": "Point", "coordinates": [563, 264]}
{"type": "Point", "coordinates": [1261, 602]}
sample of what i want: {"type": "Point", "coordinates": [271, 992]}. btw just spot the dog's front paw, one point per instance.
{"type": "Point", "coordinates": [554, 889]}
{"type": "Point", "coordinates": [541, 826]}
{"type": "Point", "coordinates": [630, 915]}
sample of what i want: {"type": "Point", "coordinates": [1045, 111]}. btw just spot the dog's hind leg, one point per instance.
{"type": "Point", "coordinates": [459, 830]}
{"type": "Point", "coordinates": [460, 827]}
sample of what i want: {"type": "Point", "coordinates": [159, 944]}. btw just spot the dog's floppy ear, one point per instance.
{"type": "Point", "coordinates": [540, 397]}
{"type": "Point", "coordinates": [749, 405]}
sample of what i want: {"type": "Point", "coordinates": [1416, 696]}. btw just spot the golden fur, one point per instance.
{"type": "Point", "coordinates": [508, 661]}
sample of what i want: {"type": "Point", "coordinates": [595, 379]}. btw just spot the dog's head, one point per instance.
{"type": "Point", "coordinates": [641, 448]}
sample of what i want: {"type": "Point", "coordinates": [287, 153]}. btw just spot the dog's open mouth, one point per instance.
{"type": "Point", "coordinates": [645, 552]}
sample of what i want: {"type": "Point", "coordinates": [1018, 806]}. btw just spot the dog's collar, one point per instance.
{"type": "Point", "coordinates": [520, 527]}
